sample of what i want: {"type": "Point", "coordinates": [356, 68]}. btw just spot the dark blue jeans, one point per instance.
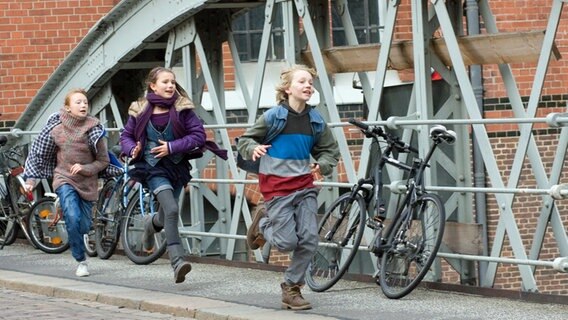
{"type": "Point", "coordinates": [77, 214]}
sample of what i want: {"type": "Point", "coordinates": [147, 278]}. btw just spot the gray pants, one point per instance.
{"type": "Point", "coordinates": [292, 226]}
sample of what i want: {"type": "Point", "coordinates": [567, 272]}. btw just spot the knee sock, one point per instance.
{"type": "Point", "coordinates": [170, 209]}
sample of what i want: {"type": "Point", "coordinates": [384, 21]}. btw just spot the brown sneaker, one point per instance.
{"type": "Point", "coordinates": [255, 239]}
{"type": "Point", "coordinates": [292, 297]}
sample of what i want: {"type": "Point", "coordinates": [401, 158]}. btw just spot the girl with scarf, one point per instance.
{"type": "Point", "coordinates": [70, 150]}
{"type": "Point", "coordinates": [161, 131]}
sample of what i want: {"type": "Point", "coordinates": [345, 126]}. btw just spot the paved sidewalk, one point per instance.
{"type": "Point", "coordinates": [26, 305]}
{"type": "Point", "coordinates": [214, 291]}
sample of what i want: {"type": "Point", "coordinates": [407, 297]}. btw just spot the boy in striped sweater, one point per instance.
{"type": "Point", "coordinates": [285, 138]}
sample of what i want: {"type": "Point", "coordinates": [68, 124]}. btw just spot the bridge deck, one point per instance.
{"type": "Point", "coordinates": [216, 289]}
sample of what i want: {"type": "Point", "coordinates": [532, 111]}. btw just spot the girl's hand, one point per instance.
{"type": "Point", "coordinates": [29, 185]}
{"type": "Point", "coordinates": [162, 150]}
{"type": "Point", "coordinates": [136, 150]}
{"type": "Point", "coordinates": [260, 151]}
{"type": "Point", "coordinates": [76, 168]}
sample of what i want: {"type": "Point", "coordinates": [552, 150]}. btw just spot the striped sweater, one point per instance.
{"type": "Point", "coordinates": [294, 139]}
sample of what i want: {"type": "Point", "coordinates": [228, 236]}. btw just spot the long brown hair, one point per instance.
{"type": "Point", "coordinates": [153, 77]}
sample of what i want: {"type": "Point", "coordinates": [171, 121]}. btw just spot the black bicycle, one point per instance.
{"type": "Point", "coordinates": [406, 245]}
{"type": "Point", "coordinates": [15, 202]}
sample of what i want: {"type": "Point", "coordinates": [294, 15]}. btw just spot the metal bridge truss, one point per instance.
{"type": "Point", "coordinates": [192, 34]}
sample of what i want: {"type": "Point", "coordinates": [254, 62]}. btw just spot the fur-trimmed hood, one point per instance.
{"type": "Point", "coordinates": [136, 107]}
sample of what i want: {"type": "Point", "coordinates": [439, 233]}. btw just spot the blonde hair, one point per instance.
{"type": "Point", "coordinates": [72, 92]}
{"type": "Point", "coordinates": [153, 77]}
{"type": "Point", "coordinates": [286, 79]}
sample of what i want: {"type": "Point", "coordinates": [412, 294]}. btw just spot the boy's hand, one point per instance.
{"type": "Point", "coordinates": [316, 173]}
{"type": "Point", "coordinates": [260, 151]}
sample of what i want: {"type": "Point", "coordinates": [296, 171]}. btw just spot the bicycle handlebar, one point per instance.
{"type": "Point", "coordinates": [9, 154]}
{"type": "Point", "coordinates": [391, 139]}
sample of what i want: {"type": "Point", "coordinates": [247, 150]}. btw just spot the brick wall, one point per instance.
{"type": "Point", "coordinates": [528, 16]}
{"type": "Point", "coordinates": [35, 37]}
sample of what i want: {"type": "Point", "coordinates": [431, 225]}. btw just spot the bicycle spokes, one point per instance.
{"type": "Point", "coordinates": [413, 247]}
{"type": "Point", "coordinates": [340, 233]}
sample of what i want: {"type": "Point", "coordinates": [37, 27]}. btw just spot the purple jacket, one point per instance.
{"type": "Point", "coordinates": [188, 128]}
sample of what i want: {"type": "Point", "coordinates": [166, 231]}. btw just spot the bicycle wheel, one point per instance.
{"type": "Point", "coordinates": [133, 228]}
{"type": "Point", "coordinates": [8, 226]}
{"type": "Point", "coordinates": [412, 247]}
{"type": "Point", "coordinates": [89, 242]}
{"type": "Point", "coordinates": [340, 231]}
{"type": "Point", "coordinates": [46, 226]}
{"type": "Point", "coordinates": [107, 224]}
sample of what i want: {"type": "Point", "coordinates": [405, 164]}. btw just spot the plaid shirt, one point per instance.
{"type": "Point", "coordinates": [42, 157]}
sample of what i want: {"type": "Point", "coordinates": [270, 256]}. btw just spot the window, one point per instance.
{"type": "Point", "coordinates": [365, 17]}
{"type": "Point", "coordinates": [247, 30]}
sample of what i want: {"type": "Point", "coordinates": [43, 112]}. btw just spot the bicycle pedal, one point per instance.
{"type": "Point", "coordinates": [375, 225]}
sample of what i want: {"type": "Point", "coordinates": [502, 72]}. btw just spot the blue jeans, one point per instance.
{"type": "Point", "coordinates": [77, 214]}
{"type": "Point", "coordinates": [157, 184]}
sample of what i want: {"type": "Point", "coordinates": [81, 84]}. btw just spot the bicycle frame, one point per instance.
{"type": "Point", "coordinates": [414, 183]}
{"type": "Point", "coordinates": [124, 185]}
{"type": "Point", "coordinates": [141, 195]}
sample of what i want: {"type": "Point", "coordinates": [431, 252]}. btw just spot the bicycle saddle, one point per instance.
{"type": "Point", "coordinates": [439, 132]}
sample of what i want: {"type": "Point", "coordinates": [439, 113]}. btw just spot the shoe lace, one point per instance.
{"type": "Point", "coordinates": [294, 291]}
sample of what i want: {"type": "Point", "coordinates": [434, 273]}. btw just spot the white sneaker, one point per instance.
{"type": "Point", "coordinates": [82, 269]}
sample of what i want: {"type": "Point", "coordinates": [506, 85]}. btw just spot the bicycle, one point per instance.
{"type": "Point", "coordinates": [407, 246]}
{"type": "Point", "coordinates": [109, 212]}
{"type": "Point", "coordinates": [141, 204]}
{"type": "Point", "coordinates": [15, 203]}
{"type": "Point", "coordinates": [40, 221]}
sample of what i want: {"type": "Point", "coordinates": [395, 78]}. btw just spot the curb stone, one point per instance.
{"type": "Point", "coordinates": [144, 300]}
